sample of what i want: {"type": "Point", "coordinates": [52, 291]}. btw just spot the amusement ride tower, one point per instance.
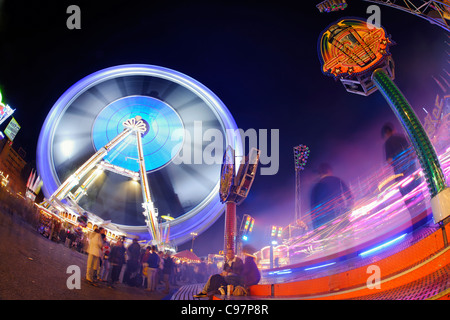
{"type": "Point", "coordinates": [357, 53]}
{"type": "Point", "coordinates": [234, 188]}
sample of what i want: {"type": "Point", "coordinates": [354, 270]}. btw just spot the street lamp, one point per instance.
{"type": "Point", "coordinates": [193, 234]}
{"type": "Point", "coordinates": [275, 235]}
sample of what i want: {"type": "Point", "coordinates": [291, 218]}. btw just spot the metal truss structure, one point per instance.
{"type": "Point", "coordinates": [436, 12]}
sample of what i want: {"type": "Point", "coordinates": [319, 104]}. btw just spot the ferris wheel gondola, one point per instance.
{"type": "Point", "coordinates": [174, 111]}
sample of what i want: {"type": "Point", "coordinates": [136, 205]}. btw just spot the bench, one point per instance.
{"type": "Point", "coordinates": [255, 292]}
{"type": "Point", "coordinates": [187, 292]}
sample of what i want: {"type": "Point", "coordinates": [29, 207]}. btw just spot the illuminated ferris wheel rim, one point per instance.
{"type": "Point", "coordinates": [89, 81]}
{"type": "Point", "coordinates": [206, 212]}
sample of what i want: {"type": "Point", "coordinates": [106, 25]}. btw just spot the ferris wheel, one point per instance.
{"type": "Point", "coordinates": [123, 143]}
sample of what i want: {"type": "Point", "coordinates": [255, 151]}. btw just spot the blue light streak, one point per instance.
{"type": "Point", "coordinates": [280, 272]}
{"type": "Point", "coordinates": [321, 266]}
{"type": "Point", "coordinates": [382, 246]}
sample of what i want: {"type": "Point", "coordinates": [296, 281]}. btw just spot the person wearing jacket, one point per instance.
{"type": "Point", "coordinates": [231, 274]}
{"type": "Point", "coordinates": [94, 252]}
{"type": "Point", "coordinates": [116, 261]}
{"type": "Point", "coordinates": [232, 269]}
{"type": "Point", "coordinates": [152, 271]}
{"type": "Point", "coordinates": [250, 274]}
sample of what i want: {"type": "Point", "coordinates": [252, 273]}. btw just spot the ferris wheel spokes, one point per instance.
{"type": "Point", "coordinates": [82, 190]}
{"type": "Point", "coordinates": [149, 210]}
{"type": "Point", "coordinates": [75, 178]}
{"type": "Point", "coordinates": [134, 125]}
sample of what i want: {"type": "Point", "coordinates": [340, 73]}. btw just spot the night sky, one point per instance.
{"type": "Point", "coordinates": [259, 57]}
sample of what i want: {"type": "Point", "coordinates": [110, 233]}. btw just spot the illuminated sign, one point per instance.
{"type": "Point", "coordinates": [351, 47]}
{"type": "Point", "coordinates": [12, 129]}
{"type": "Point", "coordinates": [5, 110]}
{"type": "Point", "coordinates": [276, 232]}
{"type": "Point", "coordinates": [251, 225]}
{"type": "Point", "coordinates": [247, 223]}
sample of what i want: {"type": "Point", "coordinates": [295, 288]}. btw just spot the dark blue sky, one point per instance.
{"type": "Point", "coordinates": [259, 57]}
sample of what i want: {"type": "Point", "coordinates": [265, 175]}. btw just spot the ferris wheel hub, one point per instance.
{"type": "Point", "coordinates": [160, 126]}
{"type": "Point", "coordinates": [137, 124]}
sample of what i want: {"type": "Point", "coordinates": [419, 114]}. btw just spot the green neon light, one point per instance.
{"type": "Point", "coordinates": [422, 145]}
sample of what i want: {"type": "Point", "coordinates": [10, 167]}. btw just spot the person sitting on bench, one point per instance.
{"type": "Point", "coordinates": [250, 273]}
{"type": "Point", "coordinates": [231, 274]}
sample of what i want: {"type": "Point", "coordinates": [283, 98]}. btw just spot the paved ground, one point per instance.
{"type": "Point", "coordinates": [35, 268]}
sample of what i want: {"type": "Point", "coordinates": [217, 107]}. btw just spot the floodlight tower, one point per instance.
{"type": "Point", "coordinates": [301, 154]}
{"type": "Point", "coordinates": [234, 188]}
{"type": "Point", "coordinates": [357, 53]}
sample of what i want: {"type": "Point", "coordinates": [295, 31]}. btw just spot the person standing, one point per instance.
{"type": "Point", "coordinates": [160, 275]}
{"type": "Point", "coordinates": [133, 254]}
{"type": "Point", "coordinates": [167, 270]}
{"type": "Point", "coordinates": [145, 256]}
{"type": "Point", "coordinates": [144, 264]}
{"type": "Point", "coordinates": [152, 271]}
{"type": "Point", "coordinates": [116, 261]}
{"type": "Point", "coordinates": [399, 154]}
{"type": "Point", "coordinates": [106, 251]}
{"type": "Point", "coordinates": [202, 271]}
{"type": "Point", "coordinates": [94, 252]}
{"type": "Point", "coordinates": [330, 197]}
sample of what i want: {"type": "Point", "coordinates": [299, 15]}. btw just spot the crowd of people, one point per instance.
{"type": "Point", "coordinates": [71, 236]}
{"type": "Point", "coordinates": [140, 267]}
{"type": "Point", "coordinates": [134, 265]}
{"type": "Point", "coordinates": [115, 262]}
